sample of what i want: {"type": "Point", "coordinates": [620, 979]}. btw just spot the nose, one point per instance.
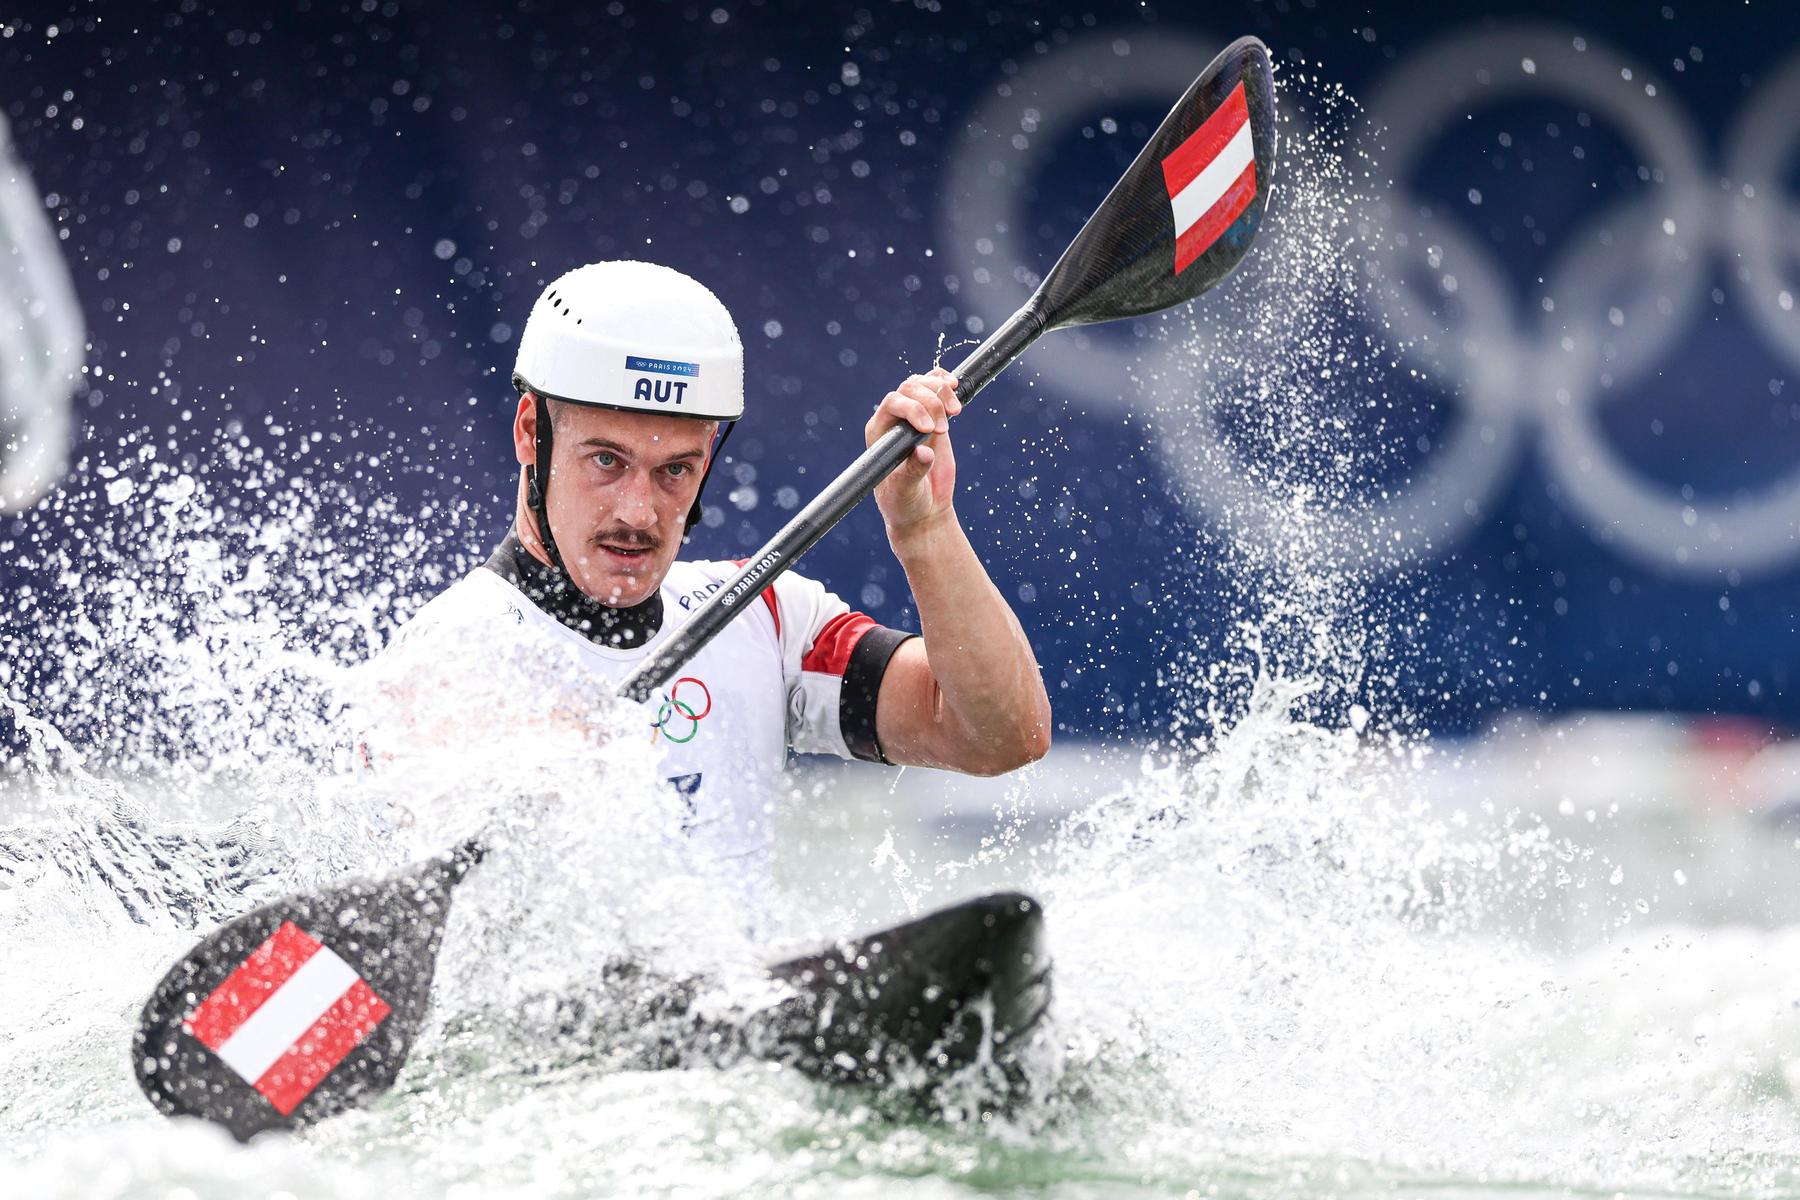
{"type": "Point", "coordinates": [637, 503]}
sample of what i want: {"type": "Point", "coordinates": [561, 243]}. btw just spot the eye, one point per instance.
{"type": "Point", "coordinates": [605, 459]}
{"type": "Point", "coordinates": [680, 469]}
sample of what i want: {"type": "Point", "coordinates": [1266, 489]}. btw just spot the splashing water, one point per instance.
{"type": "Point", "coordinates": [1282, 967]}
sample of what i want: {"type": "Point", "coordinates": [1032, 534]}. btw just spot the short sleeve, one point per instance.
{"type": "Point", "coordinates": [832, 660]}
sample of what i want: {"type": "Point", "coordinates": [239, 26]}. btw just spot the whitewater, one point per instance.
{"type": "Point", "coordinates": [1291, 959]}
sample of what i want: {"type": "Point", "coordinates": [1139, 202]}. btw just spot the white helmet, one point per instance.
{"type": "Point", "coordinates": [633, 335]}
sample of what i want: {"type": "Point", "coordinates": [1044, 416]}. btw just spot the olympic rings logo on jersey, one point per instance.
{"type": "Point", "coordinates": [1617, 297]}
{"type": "Point", "coordinates": [687, 718]}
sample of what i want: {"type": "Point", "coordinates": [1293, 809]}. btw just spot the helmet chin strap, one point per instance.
{"type": "Point", "coordinates": [698, 511]}
{"type": "Point", "coordinates": [537, 479]}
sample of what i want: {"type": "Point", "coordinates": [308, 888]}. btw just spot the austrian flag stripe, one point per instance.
{"type": "Point", "coordinates": [1211, 178]}
{"type": "Point", "coordinates": [290, 1013]}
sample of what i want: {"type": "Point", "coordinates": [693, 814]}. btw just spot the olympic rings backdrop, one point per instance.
{"type": "Point", "coordinates": [1577, 242]}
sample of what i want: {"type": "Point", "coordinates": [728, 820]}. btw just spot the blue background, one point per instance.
{"type": "Point", "coordinates": [335, 217]}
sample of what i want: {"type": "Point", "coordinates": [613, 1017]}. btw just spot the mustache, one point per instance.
{"type": "Point", "coordinates": [631, 539]}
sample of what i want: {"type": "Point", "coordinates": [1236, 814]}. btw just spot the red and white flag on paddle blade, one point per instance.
{"type": "Point", "coordinates": [289, 1014]}
{"type": "Point", "coordinates": [1211, 178]}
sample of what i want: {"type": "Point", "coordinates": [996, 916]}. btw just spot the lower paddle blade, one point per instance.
{"type": "Point", "coordinates": [1186, 210]}
{"type": "Point", "coordinates": [302, 1008]}
{"type": "Point", "coordinates": [936, 995]}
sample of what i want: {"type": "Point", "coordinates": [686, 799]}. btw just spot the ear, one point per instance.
{"type": "Point", "coordinates": [525, 430]}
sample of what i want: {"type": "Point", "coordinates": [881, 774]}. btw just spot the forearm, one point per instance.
{"type": "Point", "coordinates": [992, 695]}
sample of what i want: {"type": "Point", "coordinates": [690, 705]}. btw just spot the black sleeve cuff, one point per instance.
{"type": "Point", "coordinates": [862, 688]}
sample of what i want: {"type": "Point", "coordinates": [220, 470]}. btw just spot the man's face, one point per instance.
{"type": "Point", "coordinates": [621, 485]}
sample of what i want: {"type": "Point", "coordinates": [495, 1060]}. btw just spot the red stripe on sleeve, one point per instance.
{"type": "Point", "coordinates": [1204, 144]}
{"type": "Point", "coordinates": [1203, 233]}
{"type": "Point", "coordinates": [768, 595]}
{"type": "Point", "coordinates": [830, 652]}
{"type": "Point", "coordinates": [774, 610]}
{"type": "Point", "coordinates": [335, 1034]}
{"type": "Point", "coordinates": [245, 989]}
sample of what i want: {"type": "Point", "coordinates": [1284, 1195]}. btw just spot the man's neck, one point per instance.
{"type": "Point", "coordinates": [554, 593]}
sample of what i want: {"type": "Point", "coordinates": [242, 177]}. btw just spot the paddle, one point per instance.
{"type": "Point", "coordinates": [300, 1008]}
{"type": "Point", "coordinates": [1177, 222]}
{"type": "Point", "coordinates": [308, 1006]}
{"type": "Point", "coordinates": [311, 1005]}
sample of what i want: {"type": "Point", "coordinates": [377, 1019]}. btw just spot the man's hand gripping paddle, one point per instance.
{"type": "Point", "coordinates": [310, 1005]}
{"type": "Point", "coordinates": [1182, 216]}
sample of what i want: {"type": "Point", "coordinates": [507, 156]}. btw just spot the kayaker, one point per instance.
{"type": "Point", "coordinates": [630, 376]}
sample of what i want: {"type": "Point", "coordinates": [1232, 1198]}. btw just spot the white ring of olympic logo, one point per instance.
{"type": "Point", "coordinates": [1623, 289]}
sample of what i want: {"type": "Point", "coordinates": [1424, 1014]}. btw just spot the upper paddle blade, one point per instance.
{"type": "Point", "coordinates": [1185, 211]}
{"type": "Point", "coordinates": [301, 1008]}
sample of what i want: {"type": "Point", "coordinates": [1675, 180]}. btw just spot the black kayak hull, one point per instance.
{"type": "Point", "coordinates": [947, 998]}
{"type": "Point", "coordinates": [914, 1005]}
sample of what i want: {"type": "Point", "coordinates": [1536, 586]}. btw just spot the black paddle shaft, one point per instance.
{"type": "Point", "coordinates": [1127, 261]}
{"type": "Point", "coordinates": [827, 509]}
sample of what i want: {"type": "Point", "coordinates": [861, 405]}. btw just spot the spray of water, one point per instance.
{"type": "Point", "coordinates": [1276, 949]}
{"type": "Point", "coordinates": [1281, 969]}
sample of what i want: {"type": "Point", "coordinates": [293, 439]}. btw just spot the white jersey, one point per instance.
{"type": "Point", "coordinates": [799, 671]}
